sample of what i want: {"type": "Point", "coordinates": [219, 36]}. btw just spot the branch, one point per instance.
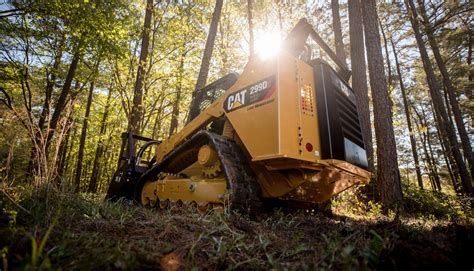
{"type": "Point", "coordinates": [14, 202]}
{"type": "Point", "coordinates": [8, 101]}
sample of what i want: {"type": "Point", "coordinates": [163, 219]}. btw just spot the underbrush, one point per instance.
{"type": "Point", "coordinates": [57, 230]}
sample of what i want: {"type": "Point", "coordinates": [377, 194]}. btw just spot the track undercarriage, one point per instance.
{"type": "Point", "coordinates": [209, 172]}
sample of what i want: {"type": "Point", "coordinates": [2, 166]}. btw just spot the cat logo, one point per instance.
{"type": "Point", "coordinates": [251, 94]}
{"type": "Point", "coordinates": [236, 100]}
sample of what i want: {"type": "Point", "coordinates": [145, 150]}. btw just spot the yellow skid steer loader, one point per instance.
{"type": "Point", "coordinates": [287, 128]}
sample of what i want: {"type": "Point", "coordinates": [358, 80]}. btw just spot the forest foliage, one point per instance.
{"type": "Point", "coordinates": [68, 70]}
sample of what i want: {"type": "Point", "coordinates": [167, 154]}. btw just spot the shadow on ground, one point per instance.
{"type": "Point", "coordinates": [92, 234]}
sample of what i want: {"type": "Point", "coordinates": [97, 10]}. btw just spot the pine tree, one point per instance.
{"type": "Point", "coordinates": [447, 129]}
{"type": "Point", "coordinates": [388, 175]}
{"type": "Point", "coordinates": [359, 77]}
{"type": "Point", "coordinates": [137, 109]}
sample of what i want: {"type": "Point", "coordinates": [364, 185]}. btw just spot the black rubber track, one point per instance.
{"type": "Point", "coordinates": [241, 181]}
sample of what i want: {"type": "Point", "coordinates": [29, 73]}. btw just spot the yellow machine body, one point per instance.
{"type": "Point", "coordinates": [287, 128]}
{"type": "Point", "coordinates": [280, 133]}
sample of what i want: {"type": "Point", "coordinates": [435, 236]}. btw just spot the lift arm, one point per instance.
{"type": "Point", "coordinates": [296, 41]}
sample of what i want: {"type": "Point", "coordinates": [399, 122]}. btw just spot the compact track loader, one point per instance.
{"type": "Point", "coordinates": [286, 129]}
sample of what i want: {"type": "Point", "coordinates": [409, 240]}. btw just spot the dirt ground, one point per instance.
{"type": "Point", "coordinates": [91, 235]}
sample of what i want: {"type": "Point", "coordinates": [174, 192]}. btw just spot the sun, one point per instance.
{"type": "Point", "coordinates": [268, 44]}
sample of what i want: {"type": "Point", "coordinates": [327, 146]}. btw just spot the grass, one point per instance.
{"type": "Point", "coordinates": [83, 232]}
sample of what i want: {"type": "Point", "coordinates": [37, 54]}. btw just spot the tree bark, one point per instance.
{"type": "Point", "coordinates": [428, 166]}
{"type": "Point", "coordinates": [100, 147]}
{"type": "Point", "coordinates": [71, 145]}
{"type": "Point", "coordinates": [80, 155]}
{"type": "Point", "coordinates": [426, 141]}
{"type": "Point", "coordinates": [359, 77]}
{"type": "Point", "coordinates": [444, 146]}
{"type": "Point", "coordinates": [336, 25]}
{"type": "Point", "coordinates": [388, 175]}
{"type": "Point", "coordinates": [137, 109]}
{"type": "Point", "coordinates": [407, 116]}
{"type": "Point", "coordinates": [430, 148]}
{"type": "Point", "coordinates": [447, 130]}
{"type": "Point", "coordinates": [250, 21]}
{"type": "Point", "coordinates": [62, 98]}
{"type": "Point", "coordinates": [206, 60]}
{"type": "Point", "coordinates": [470, 76]}
{"type": "Point", "coordinates": [385, 45]}
{"type": "Point", "coordinates": [50, 80]}
{"type": "Point", "coordinates": [63, 152]}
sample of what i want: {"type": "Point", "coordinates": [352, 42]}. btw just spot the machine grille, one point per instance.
{"type": "Point", "coordinates": [349, 118]}
{"type": "Point", "coordinates": [339, 127]}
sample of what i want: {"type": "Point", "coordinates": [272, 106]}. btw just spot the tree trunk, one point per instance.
{"type": "Point", "coordinates": [465, 142]}
{"type": "Point", "coordinates": [448, 155]}
{"type": "Point", "coordinates": [137, 110]}
{"type": "Point", "coordinates": [71, 145]}
{"type": "Point", "coordinates": [175, 113]}
{"type": "Point", "coordinates": [158, 119]}
{"type": "Point", "coordinates": [448, 161]}
{"type": "Point", "coordinates": [407, 115]}
{"type": "Point", "coordinates": [447, 130]}
{"type": "Point", "coordinates": [430, 148]}
{"type": "Point", "coordinates": [428, 166]}
{"type": "Point", "coordinates": [359, 77]}
{"type": "Point", "coordinates": [470, 76]}
{"type": "Point", "coordinates": [62, 98]}
{"type": "Point", "coordinates": [429, 161]}
{"type": "Point", "coordinates": [50, 81]}
{"type": "Point", "coordinates": [63, 152]}
{"type": "Point", "coordinates": [51, 78]}
{"type": "Point", "coordinates": [336, 25]}
{"type": "Point", "coordinates": [206, 60]}
{"type": "Point", "coordinates": [250, 21]}
{"type": "Point", "coordinates": [100, 147]}
{"type": "Point", "coordinates": [385, 45]}
{"type": "Point", "coordinates": [80, 155]}
{"type": "Point", "coordinates": [388, 175]}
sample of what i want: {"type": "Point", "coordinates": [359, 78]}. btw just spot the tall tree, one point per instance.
{"type": "Point", "coordinates": [336, 25]}
{"type": "Point", "coordinates": [137, 110]}
{"type": "Point", "coordinates": [387, 55]}
{"type": "Point", "coordinates": [388, 175]}
{"type": "Point", "coordinates": [359, 77]}
{"type": "Point", "coordinates": [449, 87]}
{"type": "Point", "coordinates": [100, 146]}
{"type": "Point", "coordinates": [407, 116]}
{"type": "Point", "coordinates": [447, 129]}
{"type": "Point", "coordinates": [61, 102]}
{"type": "Point", "coordinates": [206, 60]}
{"type": "Point", "coordinates": [427, 144]}
{"type": "Point", "coordinates": [427, 159]}
{"type": "Point", "coordinates": [179, 89]}
{"type": "Point", "coordinates": [434, 169]}
{"type": "Point", "coordinates": [250, 21]}
{"type": "Point", "coordinates": [82, 142]}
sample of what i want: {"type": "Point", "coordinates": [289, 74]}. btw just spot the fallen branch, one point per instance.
{"type": "Point", "coordinates": [14, 202]}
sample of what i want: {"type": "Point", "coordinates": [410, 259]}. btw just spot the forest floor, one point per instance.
{"type": "Point", "coordinates": [58, 230]}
